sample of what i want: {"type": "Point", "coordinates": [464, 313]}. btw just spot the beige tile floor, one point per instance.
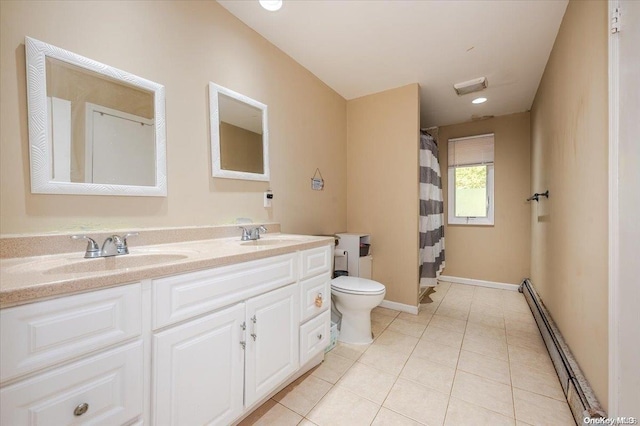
{"type": "Point", "coordinates": [473, 356]}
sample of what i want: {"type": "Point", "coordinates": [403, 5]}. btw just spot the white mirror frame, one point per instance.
{"type": "Point", "coordinates": [216, 169]}
{"type": "Point", "coordinates": [40, 149]}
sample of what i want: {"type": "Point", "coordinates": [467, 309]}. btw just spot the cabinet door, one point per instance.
{"type": "Point", "coordinates": [272, 341]}
{"type": "Point", "coordinates": [198, 370]}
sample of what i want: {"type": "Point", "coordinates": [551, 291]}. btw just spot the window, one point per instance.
{"type": "Point", "coordinates": [470, 175]}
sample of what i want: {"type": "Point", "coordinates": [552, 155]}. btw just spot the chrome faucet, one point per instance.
{"type": "Point", "coordinates": [114, 245]}
{"type": "Point", "coordinates": [251, 234]}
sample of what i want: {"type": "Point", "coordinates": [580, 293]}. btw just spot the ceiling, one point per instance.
{"type": "Point", "coordinates": [360, 47]}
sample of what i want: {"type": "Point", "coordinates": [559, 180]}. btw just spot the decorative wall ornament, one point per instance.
{"type": "Point", "coordinates": [317, 182]}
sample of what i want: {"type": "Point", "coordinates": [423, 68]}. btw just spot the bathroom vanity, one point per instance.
{"type": "Point", "coordinates": [198, 339]}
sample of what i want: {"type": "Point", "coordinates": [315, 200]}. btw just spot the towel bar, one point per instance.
{"type": "Point", "coordinates": [537, 195]}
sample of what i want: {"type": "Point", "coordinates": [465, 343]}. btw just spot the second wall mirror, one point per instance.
{"type": "Point", "coordinates": [93, 129]}
{"type": "Point", "coordinates": [239, 135]}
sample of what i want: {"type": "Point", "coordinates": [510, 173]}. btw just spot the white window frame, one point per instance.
{"type": "Point", "coordinates": [471, 220]}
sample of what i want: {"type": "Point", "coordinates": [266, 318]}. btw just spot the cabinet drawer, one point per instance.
{"type": "Point", "coordinates": [110, 383]}
{"type": "Point", "coordinates": [184, 296]}
{"type": "Point", "coordinates": [314, 336]}
{"type": "Point", "coordinates": [46, 333]}
{"type": "Point", "coordinates": [315, 261]}
{"type": "Point", "coordinates": [312, 289]}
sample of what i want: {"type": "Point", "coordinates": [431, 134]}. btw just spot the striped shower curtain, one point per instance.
{"type": "Point", "coordinates": [431, 214]}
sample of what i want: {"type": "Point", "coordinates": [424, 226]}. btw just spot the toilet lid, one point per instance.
{"type": "Point", "coordinates": [356, 285]}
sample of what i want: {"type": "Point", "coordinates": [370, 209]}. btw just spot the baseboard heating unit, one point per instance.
{"type": "Point", "coordinates": [582, 401]}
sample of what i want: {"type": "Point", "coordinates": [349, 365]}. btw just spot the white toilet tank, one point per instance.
{"type": "Point", "coordinates": [366, 267]}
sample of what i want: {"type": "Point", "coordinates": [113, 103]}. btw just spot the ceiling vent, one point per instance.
{"type": "Point", "coordinates": [475, 85]}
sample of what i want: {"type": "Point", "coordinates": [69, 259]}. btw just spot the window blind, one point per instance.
{"type": "Point", "coordinates": [471, 151]}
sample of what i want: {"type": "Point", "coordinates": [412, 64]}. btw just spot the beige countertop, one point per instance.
{"type": "Point", "coordinates": [30, 279]}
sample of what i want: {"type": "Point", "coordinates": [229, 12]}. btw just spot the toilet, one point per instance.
{"type": "Point", "coordinates": [354, 298]}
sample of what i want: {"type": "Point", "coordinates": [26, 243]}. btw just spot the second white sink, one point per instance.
{"type": "Point", "coordinates": [269, 242]}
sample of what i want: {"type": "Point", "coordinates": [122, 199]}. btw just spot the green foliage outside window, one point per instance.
{"type": "Point", "coordinates": [474, 177]}
{"type": "Point", "coordinates": [471, 191]}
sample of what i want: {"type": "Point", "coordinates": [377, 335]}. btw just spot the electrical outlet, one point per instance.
{"type": "Point", "coordinates": [268, 196]}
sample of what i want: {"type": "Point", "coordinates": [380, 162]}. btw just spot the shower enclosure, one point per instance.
{"type": "Point", "coordinates": [431, 262]}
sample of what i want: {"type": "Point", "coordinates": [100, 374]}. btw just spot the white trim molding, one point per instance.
{"type": "Point", "coordinates": [624, 208]}
{"type": "Point", "coordinates": [614, 227]}
{"type": "Point", "coordinates": [479, 283]}
{"type": "Point", "coordinates": [456, 280]}
{"type": "Point", "coordinates": [399, 307]}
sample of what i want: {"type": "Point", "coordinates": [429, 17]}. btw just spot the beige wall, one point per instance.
{"type": "Point", "coordinates": [382, 185]}
{"type": "Point", "coordinates": [501, 252]}
{"type": "Point", "coordinates": [569, 134]}
{"type": "Point", "coordinates": [182, 45]}
{"type": "Point", "coordinates": [240, 149]}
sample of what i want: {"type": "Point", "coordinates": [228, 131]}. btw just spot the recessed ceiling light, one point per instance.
{"type": "Point", "coordinates": [479, 100]}
{"type": "Point", "coordinates": [271, 5]}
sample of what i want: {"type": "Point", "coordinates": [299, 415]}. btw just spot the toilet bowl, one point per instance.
{"type": "Point", "coordinates": [354, 298]}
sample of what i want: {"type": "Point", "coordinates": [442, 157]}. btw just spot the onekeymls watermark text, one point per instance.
{"type": "Point", "coordinates": [610, 421]}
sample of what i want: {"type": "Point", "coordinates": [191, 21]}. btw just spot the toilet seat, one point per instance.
{"type": "Point", "coordinates": [357, 285]}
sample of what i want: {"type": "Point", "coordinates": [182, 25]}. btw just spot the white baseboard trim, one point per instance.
{"type": "Point", "coordinates": [399, 307]}
{"type": "Point", "coordinates": [479, 283]}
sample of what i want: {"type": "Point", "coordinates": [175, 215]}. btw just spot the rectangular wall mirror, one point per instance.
{"type": "Point", "coordinates": [239, 135]}
{"type": "Point", "coordinates": [93, 129]}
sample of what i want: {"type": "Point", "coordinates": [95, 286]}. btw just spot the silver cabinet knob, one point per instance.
{"type": "Point", "coordinates": [81, 409]}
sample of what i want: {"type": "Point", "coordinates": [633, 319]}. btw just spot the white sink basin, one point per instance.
{"type": "Point", "coordinates": [77, 265]}
{"type": "Point", "coordinates": [112, 263]}
{"type": "Point", "coordinates": [269, 242]}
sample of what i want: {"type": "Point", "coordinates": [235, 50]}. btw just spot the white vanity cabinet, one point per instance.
{"type": "Point", "coordinates": [198, 348]}
{"type": "Point", "coordinates": [202, 367]}
{"type": "Point", "coordinates": [65, 361]}
{"type": "Point", "coordinates": [208, 369]}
